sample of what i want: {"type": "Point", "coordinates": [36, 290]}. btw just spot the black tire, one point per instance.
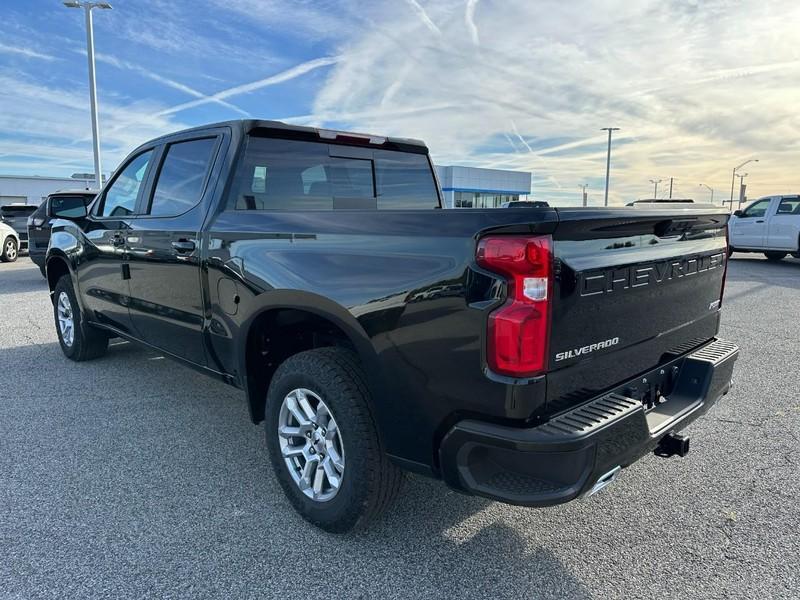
{"type": "Point", "coordinates": [796, 254]}
{"type": "Point", "coordinates": [10, 250]}
{"type": "Point", "coordinates": [370, 481]}
{"type": "Point", "coordinates": [775, 256]}
{"type": "Point", "coordinates": [87, 341]}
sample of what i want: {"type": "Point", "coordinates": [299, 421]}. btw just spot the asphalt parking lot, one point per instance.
{"type": "Point", "coordinates": [131, 476]}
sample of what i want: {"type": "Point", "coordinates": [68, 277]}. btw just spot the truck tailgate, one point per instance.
{"type": "Point", "coordinates": [632, 289]}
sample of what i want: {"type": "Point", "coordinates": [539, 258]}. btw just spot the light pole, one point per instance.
{"type": "Point", "coordinates": [655, 183]}
{"type": "Point", "coordinates": [87, 7]}
{"type": "Point", "coordinates": [733, 177]}
{"type": "Point", "coordinates": [608, 157]}
{"type": "Point", "coordinates": [741, 188]}
{"type": "Point", "coordinates": [583, 189]}
{"type": "Point", "coordinates": [710, 189]}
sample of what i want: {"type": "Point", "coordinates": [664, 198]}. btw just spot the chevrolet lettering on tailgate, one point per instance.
{"type": "Point", "coordinates": [606, 281]}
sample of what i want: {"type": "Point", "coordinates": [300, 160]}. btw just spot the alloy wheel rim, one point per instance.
{"type": "Point", "coordinates": [311, 444]}
{"type": "Point", "coordinates": [66, 320]}
{"type": "Point", "coordinates": [11, 249]}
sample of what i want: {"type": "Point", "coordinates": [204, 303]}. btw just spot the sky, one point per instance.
{"type": "Point", "coordinates": [696, 87]}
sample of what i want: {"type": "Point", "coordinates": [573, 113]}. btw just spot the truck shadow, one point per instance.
{"type": "Point", "coordinates": [131, 438]}
{"type": "Point", "coordinates": [478, 552]}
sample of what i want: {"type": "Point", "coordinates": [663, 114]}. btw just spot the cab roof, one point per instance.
{"type": "Point", "coordinates": [248, 126]}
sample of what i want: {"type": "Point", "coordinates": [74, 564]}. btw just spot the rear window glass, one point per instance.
{"type": "Point", "coordinates": [405, 181]}
{"type": "Point", "coordinates": [277, 174]}
{"type": "Point", "coordinates": [69, 206]}
{"type": "Point", "coordinates": [789, 206]}
{"type": "Point", "coordinates": [17, 211]}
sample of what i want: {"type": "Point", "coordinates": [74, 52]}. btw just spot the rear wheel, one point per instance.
{"type": "Point", "coordinates": [323, 442]}
{"type": "Point", "coordinates": [79, 341]}
{"type": "Point", "coordinates": [775, 256]}
{"type": "Point", "coordinates": [10, 250]}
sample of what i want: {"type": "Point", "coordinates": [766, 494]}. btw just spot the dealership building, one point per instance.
{"type": "Point", "coordinates": [32, 189]}
{"type": "Point", "coordinates": [472, 187]}
{"type": "Point", "coordinates": [462, 187]}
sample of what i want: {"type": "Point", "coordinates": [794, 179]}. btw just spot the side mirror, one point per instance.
{"type": "Point", "coordinates": [67, 207]}
{"type": "Point", "coordinates": [737, 213]}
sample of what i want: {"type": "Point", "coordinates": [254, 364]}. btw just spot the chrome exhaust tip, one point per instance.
{"type": "Point", "coordinates": [604, 480]}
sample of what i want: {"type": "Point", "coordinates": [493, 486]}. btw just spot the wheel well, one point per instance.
{"type": "Point", "coordinates": [56, 269]}
{"type": "Point", "coordinates": [274, 336]}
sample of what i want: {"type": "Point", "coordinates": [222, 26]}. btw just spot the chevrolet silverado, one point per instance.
{"type": "Point", "coordinates": [524, 355]}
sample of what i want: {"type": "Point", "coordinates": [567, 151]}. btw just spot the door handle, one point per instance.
{"type": "Point", "coordinates": [760, 221]}
{"type": "Point", "coordinates": [184, 246]}
{"type": "Point", "coordinates": [118, 241]}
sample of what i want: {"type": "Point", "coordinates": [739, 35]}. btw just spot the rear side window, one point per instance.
{"type": "Point", "coordinates": [69, 206]}
{"type": "Point", "coordinates": [789, 206]}
{"type": "Point", "coordinates": [182, 177]}
{"type": "Point", "coordinates": [120, 198]}
{"type": "Point", "coordinates": [277, 174]}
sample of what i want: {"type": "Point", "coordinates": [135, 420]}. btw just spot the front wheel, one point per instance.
{"type": "Point", "coordinates": [323, 442]}
{"type": "Point", "coordinates": [775, 256]}
{"type": "Point", "coordinates": [10, 250]}
{"type": "Point", "coordinates": [79, 341]}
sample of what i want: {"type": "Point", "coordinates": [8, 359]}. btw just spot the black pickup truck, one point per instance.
{"type": "Point", "coordinates": [525, 355]}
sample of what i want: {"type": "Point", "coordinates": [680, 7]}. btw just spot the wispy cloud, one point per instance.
{"type": "Point", "coordinates": [176, 85]}
{"type": "Point", "coordinates": [423, 16]}
{"type": "Point", "coordinates": [515, 84]}
{"type": "Point", "coordinates": [688, 104]}
{"type": "Point", "coordinates": [469, 19]}
{"type": "Point", "coordinates": [26, 52]}
{"type": "Point", "coordinates": [245, 88]}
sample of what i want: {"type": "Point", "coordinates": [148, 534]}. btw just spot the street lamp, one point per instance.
{"type": "Point", "coordinates": [710, 189]}
{"type": "Point", "coordinates": [87, 7]}
{"type": "Point", "coordinates": [608, 157]}
{"type": "Point", "coordinates": [733, 177]}
{"type": "Point", "coordinates": [583, 189]}
{"type": "Point", "coordinates": [655, 183]}
{"type": "Point", "coordinates": [741, 186]}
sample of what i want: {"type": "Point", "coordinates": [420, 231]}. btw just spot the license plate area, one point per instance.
{"type": "Point", "coordinates": [654, 388]}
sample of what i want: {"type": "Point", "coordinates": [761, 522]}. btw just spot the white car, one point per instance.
{"type": "Point", "coordinates": [770, 225]}
{"type": "Point", "coordinates": [10, 240]}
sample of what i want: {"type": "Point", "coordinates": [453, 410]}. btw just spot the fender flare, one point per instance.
{"type": "Point", "coordinates": [315, 304]}
{"type": "Point", "coordinates": [56, 254]}
{"type": "Point", "coordinates": [64, 246]}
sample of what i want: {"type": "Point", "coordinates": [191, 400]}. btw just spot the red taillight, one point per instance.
{"type": "Point", "coordinates": [517, 341]}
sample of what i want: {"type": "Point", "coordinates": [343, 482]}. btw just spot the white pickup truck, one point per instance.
{"type": "Point", "coordinates": [770, 225]}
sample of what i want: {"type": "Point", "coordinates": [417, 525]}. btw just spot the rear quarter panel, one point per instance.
{"type": "Point", "coordinates": [404, 276]}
